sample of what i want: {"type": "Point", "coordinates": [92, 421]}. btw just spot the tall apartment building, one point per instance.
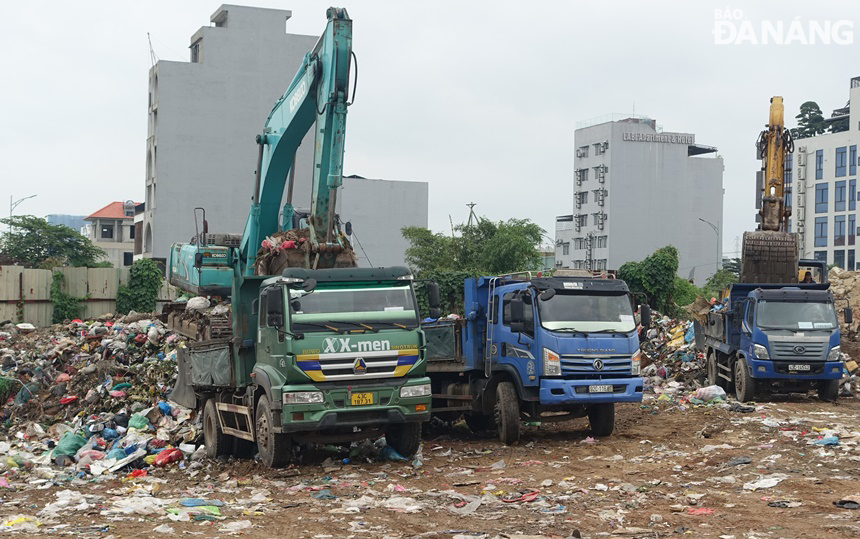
{"type": "Point", "coordinates": [638, 188]}
{"type": "Point", "coordinates": [822, 173]}
{"type": "Point", "coordinates": [204, 116]}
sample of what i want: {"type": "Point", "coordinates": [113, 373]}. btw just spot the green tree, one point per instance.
{"type": "Point", "coordinates": [654, 278]}
{"type": "Point", "coordinates": [141, 292]}
{"type": "Point", "coordinates": [717, 282]}
{"type": "Point", "coordinates": [733, 265]}
{"type": "Point", "coordinates": [428, 251]}
{"type": "Point", "coordinates": [684, 292]}
{"type": "Point", "coordinates": [810, 121]}
{"type": "Point", "coordinates": [39, 244]}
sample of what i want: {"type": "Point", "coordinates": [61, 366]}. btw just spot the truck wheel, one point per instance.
{"type": "Point", "coordinates": [713, 371]}
{"type": "Point", "coordinates": [507, 413]}
{"type": "Point", "coordinates": [828, 390]}
{"type": "Point", "coordinates": [478, 422]}
{"type": "Point", "coordinates": [275, 448]}
{"type": "Point", "coordinates": [404, 438]}
{"type": "Point", "coordinates": [744, 383]}
{"type": "Point", "coordinates": [601, 418]}
{"type": "Point", "coordinates": [217, 443]}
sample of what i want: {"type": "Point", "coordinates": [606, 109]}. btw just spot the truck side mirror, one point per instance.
{"type": "Point", "coordinates": [645, 316]}
{"type": "Point", "coordinates": [347, 228]}
{"type": "Point", "coordinates": [198, 260]}
{"type": "Point", "coordinates": [848, 315]}
{"type": "Point", "coordinates": [517, 315]}
{"type": "Point", "coordinates": [309, 284]}
{"type": "Point", "coordinates": [547, 294]}
{"type": "Point", "coordinates": [275, 307]}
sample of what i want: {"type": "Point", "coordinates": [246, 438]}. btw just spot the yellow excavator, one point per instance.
{"type": "Point", "coordinates": [770, 254]}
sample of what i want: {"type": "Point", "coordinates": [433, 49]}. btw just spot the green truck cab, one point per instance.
{"type": "Point", "coordinates": [326, 356]}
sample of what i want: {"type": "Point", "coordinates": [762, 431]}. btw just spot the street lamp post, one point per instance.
{"type": "Point", "coordinates": [12, 206]}
{"type": "Point", "coordinates": [716, 228]}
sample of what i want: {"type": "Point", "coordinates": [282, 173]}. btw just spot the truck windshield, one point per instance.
{"type": "Point", "coordinates": [387, 305]}
{"type": "Point", "coordinates": [589, 313]}
{"type": "Point", "coordinates": [795, 315]}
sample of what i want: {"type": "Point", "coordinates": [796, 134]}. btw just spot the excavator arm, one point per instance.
{"type": "Point", "coordinates": [317, 96]}
{"type": "Point", "coordinates": [770, 254]}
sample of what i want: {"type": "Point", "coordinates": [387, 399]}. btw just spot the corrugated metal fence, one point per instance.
{"type": "Point", "coordinates": [25, 294]}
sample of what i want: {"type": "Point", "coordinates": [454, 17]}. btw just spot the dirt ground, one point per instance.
{"type": "Point", "coordinates": [666, 472]}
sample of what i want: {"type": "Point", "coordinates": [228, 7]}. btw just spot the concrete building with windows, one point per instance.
{"type": "Point", "coordinates": [75, 222]}
{"type": "Point", "coordinates": [637, 188]}
{"type": "Point", "coordinates": [112, 229]}
{"type": "Point", "coordinates": [822, 177]}
{"type": "Point", "coordinates": [204, 116]}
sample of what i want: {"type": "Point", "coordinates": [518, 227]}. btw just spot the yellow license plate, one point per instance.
{"type": "Point", "coordinates": [361, 399]}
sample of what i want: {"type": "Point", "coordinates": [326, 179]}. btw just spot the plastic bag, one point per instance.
{"type": "Point", "coordinates": [710, 393]}
{"type": "Point", "coordinates": [138, 422]}
{"type": "Point", "coordinates": [69, 444]}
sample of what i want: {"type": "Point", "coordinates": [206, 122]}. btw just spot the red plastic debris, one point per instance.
{"type": "Point", "coordinates": [68, 400]}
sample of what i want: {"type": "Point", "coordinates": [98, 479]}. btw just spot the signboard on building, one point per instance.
{"type": "Point", "coordinates": [666, 138]}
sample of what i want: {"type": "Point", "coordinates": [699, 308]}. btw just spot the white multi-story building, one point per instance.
{"type": "Point", "coordinates": [112, 229]}
{"type": "Point", "coordinates": [201, 150]}
{"type": "Point", "coordinates": [822, 173]}
{"type": "Point", "coordinates": [638, 188]}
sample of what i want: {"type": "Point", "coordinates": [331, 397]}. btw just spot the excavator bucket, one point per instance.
{"type": "Point", "coordinates": [769, 257]}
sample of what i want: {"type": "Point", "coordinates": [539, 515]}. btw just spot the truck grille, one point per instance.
{"type": "Point", "coordinates": [805, 351]}
{"type": "Point", "coordinates": [346, 366]}
{"type": "Point", "coordinates": [585, 366]}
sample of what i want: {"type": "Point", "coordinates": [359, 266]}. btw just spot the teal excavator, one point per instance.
{"type": "Point", "coordinates": [317, 97]}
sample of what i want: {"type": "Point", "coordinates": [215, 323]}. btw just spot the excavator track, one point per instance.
{"type": "Point", "coordinates": [769, 257]}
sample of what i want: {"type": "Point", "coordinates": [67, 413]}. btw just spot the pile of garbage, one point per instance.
{"type": "Point", "coordinates": [200, 317]}
{"type": "Point", "coordinates": [669, 355]}
{"type": "Point", "coordinates": [846, 284]}
{"type": "Point", "coordinates": [92, 395]}
{"type": "Point", "coordinates": [293, 249]}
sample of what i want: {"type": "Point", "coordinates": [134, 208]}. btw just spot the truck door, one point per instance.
{"type": "Point", "coordinates": [517, 349]}
{"type": "Point", "coordinates": [272, 319]}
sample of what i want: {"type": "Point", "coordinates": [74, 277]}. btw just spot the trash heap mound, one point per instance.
{"type": "Point", "coordinates": [92, 395]}
{"type": "Point", "coordinates": [846, 284]}
{"type": "Point", "coordinates": [671, 362]}
{"type": "Point", "coordinates": [292, 249]}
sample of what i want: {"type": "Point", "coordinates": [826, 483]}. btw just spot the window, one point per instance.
{"type": "Point", "coordinates": [788, 225]}
{"type": "Point", "coordinates": [582, 175]}
{"type": "Point", "coordinates": [839, 196]}
{"type": "Point", "coordinates": [851, 261]}
{"type": "Point", "coordinates": [788, 198]}
{"type": "Point", "coordinates": [789, 164]}
{"type": "Point", "coordinates": [821, 198]}
{"type": "Point", "coordinates": [821, 231]}
{"type": "Point", "coordinates": [195, 53]}
{"type": "Point", "coordinates": [841, 161]}
{"type": "Point", "coordinates": [582, 197]}
{"type": "Point", "coordinates": [579, 243]}
{"type": "Point", "coordinates": [852, 194]}
{"type": "Point", "coordinates": [600, 264]}
{"type": "Point", "coordinates": [582, 219]}
{"type": "Point", "coordinates": [839, 258]}
{"type": "Point", "coordinates": [107, 231]}
{"type": "Point", "coordinates": [601, 242]}
{"type": "Point", "coordinates": [852, 231]}
{"type": "Point", "coordinates": [127, 259]}
{"type": "Point", "coordinates": [819, 164]}
{"type": "Point", "coordinates": [821, 255]}
{"type": "Point", "coordinates": [131, 232]}
{"type": "Point", "coordinates": [565, 248]}
{"type": "Point", "coordinates": [852, 164]}
{"type": "Point", "coordinates": [582, 151]}
{"type": "Point", "coordinates": [839, 231]}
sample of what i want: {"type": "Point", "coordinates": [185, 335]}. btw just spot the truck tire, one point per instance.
{"type": "Point", "coordinates": [478, 422]}
{"type": "Point", "coordinates": [507, 413]}
{"type": "Point", "coordinates": [404, 438]}
{"type": "Point", "coordinates": [714, 371]}
{"type": "Point", "coordinates": [601, 418]}
{"type": "Point", "coordinates": [217, 443]}
{"type": "Point", "coordinates": [828, 390]}
{"type": "Point", "coordinates": [275, 448]}
{"type": "Point", "coordinates": [744, 383]}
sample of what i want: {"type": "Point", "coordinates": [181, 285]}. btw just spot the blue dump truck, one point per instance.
{"type": "Point", "coordinates": [539, 349]}
{"type": "Point", "coordinates": [774, 338]}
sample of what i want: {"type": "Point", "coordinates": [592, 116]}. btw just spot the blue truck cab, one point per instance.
{"type": "Point", "coordinates": [774, 338]}
{"type": "Point", "coordinates": [540, 349]}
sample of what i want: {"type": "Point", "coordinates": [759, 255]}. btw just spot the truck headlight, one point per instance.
{"type": "Point", "coordinates": [834, 354]}
{"type": "Point", "coordinates": [303, 397]}
{"type": "Point", "coordinates": [422, 390]}
{"type": "Point", "coordinates": [635, 368]}
{"type": "Point", "coordinates": [551, 363]}
{"type": "Point", "coordinates": [760, 352]}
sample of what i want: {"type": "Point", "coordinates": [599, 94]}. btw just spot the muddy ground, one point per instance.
{"type": "Point", "coordinates": [666, 472]}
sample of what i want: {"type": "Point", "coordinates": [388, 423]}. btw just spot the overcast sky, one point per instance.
{"type": "Point", "coordinates": [480, 99]}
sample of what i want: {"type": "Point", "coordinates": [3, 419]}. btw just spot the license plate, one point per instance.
{"type": "Point", "coordinates": [361, 399]}
{"type": "Point", "coordinates": [798, 367]}
{"type": "Point", "coordinates": [600, 389]}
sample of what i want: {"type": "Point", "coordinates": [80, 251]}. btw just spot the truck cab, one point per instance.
{"type": "Point", "coordinates": [535, 346]}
